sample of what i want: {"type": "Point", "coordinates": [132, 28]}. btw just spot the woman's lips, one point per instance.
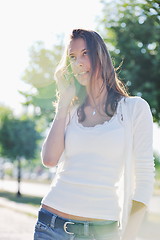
{"type": "Point", "coordinates": [79, 74]}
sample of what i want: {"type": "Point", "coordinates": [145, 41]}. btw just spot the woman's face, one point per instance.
{"type": "Point", "coordinates": [80, 61]}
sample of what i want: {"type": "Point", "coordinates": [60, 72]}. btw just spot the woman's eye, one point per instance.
{"type": "Point", "coordinates": [72, 57]}
{"type": "Point", "coordinates": [85, 53]}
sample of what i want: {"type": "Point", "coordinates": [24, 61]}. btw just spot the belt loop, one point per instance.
{"type": "Point", "coordinates": [72, 237]}
{"type": "Point", "coordinates": [53, 221]}
{"type": "Point", "coordinates": [86, 229]}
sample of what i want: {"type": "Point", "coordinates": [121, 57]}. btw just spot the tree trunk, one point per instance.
{"type": "Point", "coordinates": [19, 177]}
{"type": "Point", "coordinates": [2, 172]}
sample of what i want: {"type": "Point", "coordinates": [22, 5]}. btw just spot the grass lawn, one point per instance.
{"type": "Point", "coordinates": [32, 200]}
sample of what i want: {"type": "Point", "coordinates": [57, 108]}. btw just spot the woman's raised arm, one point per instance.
{"type": "Point", "coordinates": [53, 146]}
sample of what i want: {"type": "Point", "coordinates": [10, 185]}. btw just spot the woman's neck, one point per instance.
{"type": "Point", "coordinates": [99, 94]}
{"type": "Point", "coordinates": [97, 101]}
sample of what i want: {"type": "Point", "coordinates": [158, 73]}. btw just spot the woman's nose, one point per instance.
{"type": "Point", "coordinates": [79, 62]}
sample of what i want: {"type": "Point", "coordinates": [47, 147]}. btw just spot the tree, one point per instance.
{"type": "Point", "coordinates": [132, 32]}
{"type": "Point", "coordinates": [39, 74]}
{"type": "Point", "coordinates": [18, 139]}
{"type": "Point", "coordinates": [4, 112]}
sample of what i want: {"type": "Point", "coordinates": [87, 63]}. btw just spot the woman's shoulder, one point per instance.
{"type": "Point", "coordinates": [134, 100]}
{"type": "Point", "coordinates": [137, 106]}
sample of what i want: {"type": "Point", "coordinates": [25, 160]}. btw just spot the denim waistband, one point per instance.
{"type": "Point", "coordinates": [72, 226]}
{"type": "Point", "coordinates": [94, 222]}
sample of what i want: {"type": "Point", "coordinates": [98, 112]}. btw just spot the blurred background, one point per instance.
{"type": "Point", "coordinates": [33, 35]}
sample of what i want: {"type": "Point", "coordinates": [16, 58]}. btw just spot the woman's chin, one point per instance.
{"type": "Point", "coordinates": [83, 82]}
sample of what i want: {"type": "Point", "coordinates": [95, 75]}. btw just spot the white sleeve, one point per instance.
{"type": "Point", "coordinates": [143, 152]}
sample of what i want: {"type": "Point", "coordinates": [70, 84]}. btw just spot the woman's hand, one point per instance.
{"type": "Point", "coordinates": [135, 220]}
{"type": "Point", "coordinates": [66, 86]}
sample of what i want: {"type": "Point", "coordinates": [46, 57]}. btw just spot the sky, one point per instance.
{"type": "Point", "coordinates": [24, 22]}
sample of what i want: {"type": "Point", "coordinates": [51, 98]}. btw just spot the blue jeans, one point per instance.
{"type": "Point", "coordinates": [50, 226]}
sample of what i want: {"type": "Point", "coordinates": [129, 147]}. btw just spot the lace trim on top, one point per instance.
{"type": "Point", "coordinates": [99, 125]}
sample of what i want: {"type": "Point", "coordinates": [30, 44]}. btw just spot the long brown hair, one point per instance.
{"type": "Point", "coordinates": [101, 65]}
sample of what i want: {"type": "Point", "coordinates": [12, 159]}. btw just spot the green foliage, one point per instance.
{"type": "Point", "coordinates": [39, 74]}
{"type": "Point", "coordinates": [5, 112]}
{"type": "Point", "coordinates": [132, 33]}
{"type": "Point", "coordinates": [18, 138]}
{"type": "Point", "coordinates": [157, 160]}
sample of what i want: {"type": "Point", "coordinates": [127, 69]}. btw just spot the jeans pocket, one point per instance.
{"type": "Point", "coordinates": [41, 226]}
{"type": "Point", "coordinates": [45, 232]}
{"type": "Point", "coordinates": [42, 231]}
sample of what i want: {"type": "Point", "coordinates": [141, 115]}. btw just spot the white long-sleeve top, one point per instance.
{"type": "Point", "coordinates": [92, 165]}
{"type": "Point", "coordinates": [94, 159]}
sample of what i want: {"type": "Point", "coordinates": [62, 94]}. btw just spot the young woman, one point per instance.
{"type": "Point", "coordinates": [101, 141]}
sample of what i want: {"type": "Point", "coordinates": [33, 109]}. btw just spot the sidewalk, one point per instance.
{"type": "Point", "coordinates": [19, 207]}
{"type": "Point", "coordinates": [15, 225]}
